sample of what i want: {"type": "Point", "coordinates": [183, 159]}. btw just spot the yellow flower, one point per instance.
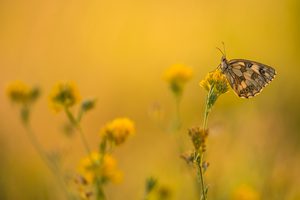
{"type": "Point", "coordinates": [216, 84]}
{"type": "Point", "coordinates": [118, 130]}
{"type": "Point", "coordinates": [177, 76]}
{"type": "Point", "coordinates": [215, 80]}
{"type": "Point", "coordinates": [19, 92]}
{"type": "Point", "coordinates": [101, 168]}
{"type": "Point", "coordinates": [245, 192]}
{"type": "Point", "coordinates": [64, 95]}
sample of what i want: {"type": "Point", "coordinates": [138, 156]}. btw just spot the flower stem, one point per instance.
{"type": "Point", "coordinates": [99, 190]}
{"type": "Point", "coordinates": [98, 186]}
{"type": "Point", "coordinates": [178, 118]}
{"type": "Point", "coordinates": [84, 140]}
{"type": "Point", "coordinates": [199, 162]}
{"type": "Point", "coordinates": [79, 129]}
{"type": "Point", "coordinates": [200, 152]}
{"type": "Point", "coordinates": [207, 108]}
{"type": "Point", "coordinates": [52, 166]}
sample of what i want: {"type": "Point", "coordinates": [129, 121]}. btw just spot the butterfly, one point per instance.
{"type": "Point", "coordinates": [247, 78]}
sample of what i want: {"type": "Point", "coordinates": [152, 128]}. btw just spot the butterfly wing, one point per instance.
{"type": "Point", "coordinates": [248, 78]}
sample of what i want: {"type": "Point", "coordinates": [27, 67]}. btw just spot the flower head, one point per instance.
{"type": "Point", "coordinates": [245, 192]}
{"type": "Point", "coordinates": [100, 167]}
{"type": "Point", "coordinates": [215, 80]}
{"type": "Point", "coordinates": [118, 130]}
{"type": "Point", "coordinates": [177, 76]}
{"type": "Point", "coordinates": [216, 84]}
{"type": "Point", "coordinates": [21, 93]}
{"type": "Point", "coordinates": [198, 137]}
{"type": "Point", "coordinates": [64, 95]}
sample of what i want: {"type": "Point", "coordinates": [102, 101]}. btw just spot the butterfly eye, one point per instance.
{"type": "Point", "coordinates": [223, 59]}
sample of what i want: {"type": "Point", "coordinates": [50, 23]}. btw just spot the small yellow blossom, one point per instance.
{"type": "Point", "coordinates": [216, 84]}
{"type": "Point", "coordinates": [64, 95]}
{"type": "Point", "coordinates": [216, 80]}
{"type": "Point", "coordinates": [19, 92]}
{"type": "Point", "coordinates": [101, 168]}
{"type": "Point", "coordinates": [245, 192]}
{"type": "Point", "coordinates": [118, 130]}
{"type": "Point", "coordinates": [177, 76]}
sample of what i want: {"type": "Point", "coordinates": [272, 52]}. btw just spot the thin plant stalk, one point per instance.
{"type": "Point", "coordinates": [79, 129]}
{"type": "Point", "coordinates": [76, 122]}
{"type": "Point", "coordinates": [178, 117]}
{"type": "Point", "coordinates": [52, 166]}
{"type": "Point", "coordinates": [200, 154]}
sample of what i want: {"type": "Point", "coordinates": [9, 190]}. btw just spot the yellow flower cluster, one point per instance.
{"type": "Point", "coordinates": [21, 93]}
{"type": "Point", "coordinates": [96, 165]}
{"type": "Point", "coordinates": [245, 192]}
{"type": "Point", "coordinates": [177, 76]}
{"type": "Point", "coordinates": [215, 80]}
{"type": "Point", "coordinates": [118, 130]}
{"type": "Point", "coordinates": [64, 95]}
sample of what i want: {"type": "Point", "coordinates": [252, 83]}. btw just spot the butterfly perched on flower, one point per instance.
{"type": "Point", "coordinates": [247, 78]}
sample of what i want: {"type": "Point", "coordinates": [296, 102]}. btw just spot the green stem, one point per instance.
{"type": "Point", "coordinates": [76, 122]}
{"type": "Point", "coordinates": [200, 154]}
{"type": "Point", "coordinates": [33, 140]}
{"type": "Point", "coordinates": [199, 163]}
{"type": "Point", "coordinates": [84, 140]}
{"type": "Point", "coordinates": [207, 109]}
{"type": "Point", "coordinates": [178, 118]}
{"type": "Point", "coordinates": [79, 129]}
{"type": "Point", "coordinates": [52, 166]}
{"type": "Point", "coordinates": [99, 190]}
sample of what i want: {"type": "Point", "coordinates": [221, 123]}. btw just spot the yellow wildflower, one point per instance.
{"type": "Point", "coordinates": [245, 192]}
{"type": "Point", "coordinates": [215, 80]}
{"type": "Point", "coordinates": [19, 92]}
{"type": "Point", "coordinates": [118, 130]}
{"type": "Point", "coordinates": [177, 76]}
{"type": "Point", "coordinates": [216, 84]}
{"type": "Point", "coordinates": [97, 167]}
{"type": "Point", "coordinates": [64, 95]}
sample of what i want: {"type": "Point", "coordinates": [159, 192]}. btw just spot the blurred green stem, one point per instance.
{"type": "Point", "coordinates": [52, 166]}
{"type": "Point", "coordinates": [79, 129]}
{"type": "Point", "coordinates": [76, 123]}
{"type": "Point", "coordinates": [33, 140]}
{"type": "Point", "coordinates": [200, 152]}
{"type": "Point", "coordinates": [207, 107]}
{"type": "Point", "coordinates": [99, 189]}
{"type": "Point", "coordinates": [177, 123]}
{"type": "Point", "coordinates": [200, 172]}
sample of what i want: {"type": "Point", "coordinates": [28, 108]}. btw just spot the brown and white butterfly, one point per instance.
{"type": "Point", "coordinates": [247, 78]}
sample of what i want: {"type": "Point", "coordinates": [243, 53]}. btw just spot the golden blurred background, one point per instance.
{"type": "Point", "coordinates": [117, 51]}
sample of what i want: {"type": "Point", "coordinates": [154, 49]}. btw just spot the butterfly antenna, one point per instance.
{"type": "Point", "coordinates": [224, 48]}
{"type": "Point", "coordinates": [221, 51]}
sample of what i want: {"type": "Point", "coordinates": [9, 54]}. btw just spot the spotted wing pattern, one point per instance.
{"type": "Point", "coordinates": [248, 78]}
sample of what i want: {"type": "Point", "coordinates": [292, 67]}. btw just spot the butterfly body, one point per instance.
{"type": "Point", "coordinates": [247, 78]}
